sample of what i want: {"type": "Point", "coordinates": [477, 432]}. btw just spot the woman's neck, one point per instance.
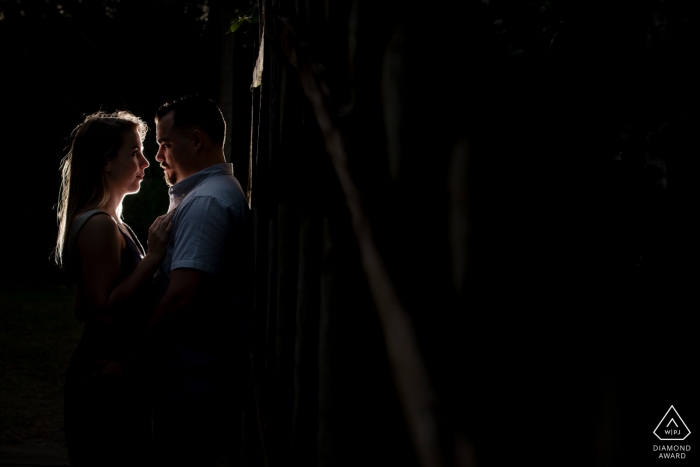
{"type": "Point", "coordinates": [112, 205]}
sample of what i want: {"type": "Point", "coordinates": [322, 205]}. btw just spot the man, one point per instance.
{"type": "Point", "coordinates": [199, 325]}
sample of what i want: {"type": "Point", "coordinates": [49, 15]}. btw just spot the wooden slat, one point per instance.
{"type": "Point", "coordinates": [410, 374]}
{"type": "Point", "coordinates": [34, 456]}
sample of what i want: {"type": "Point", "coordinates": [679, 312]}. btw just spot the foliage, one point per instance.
{"type": "Point", "coordinates": [250, 16]}
{"type": "Point", "coordinates": [525, 27]}
{"type": "Point", "coordinates": [183, 13]}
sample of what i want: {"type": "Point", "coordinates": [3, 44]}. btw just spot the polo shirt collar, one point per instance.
{"type": "Point", "coordinates": [178, 191]}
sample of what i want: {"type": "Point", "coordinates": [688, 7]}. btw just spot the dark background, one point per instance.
{"type": "Point", "coordinates": [583, 120]}
{"type": "Point", "coordinates": [64, 60]}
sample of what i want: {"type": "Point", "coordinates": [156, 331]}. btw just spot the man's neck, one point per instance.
{"type": "Point", "coordinates": [206, 160]}
{"type": "Point", "coordinates": [203, 163]}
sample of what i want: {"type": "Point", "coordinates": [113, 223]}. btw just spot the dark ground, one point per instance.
{"type": "Point", "coordinates": [37, 336]}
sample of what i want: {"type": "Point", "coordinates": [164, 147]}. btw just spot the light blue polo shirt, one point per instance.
{"type": "Point", "coordinates": [210, 204]}
{"type": "Point", "coordinates": [211, 233]}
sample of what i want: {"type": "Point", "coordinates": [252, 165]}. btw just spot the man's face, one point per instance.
{"type": "Point", "coordinates": [175, 150]}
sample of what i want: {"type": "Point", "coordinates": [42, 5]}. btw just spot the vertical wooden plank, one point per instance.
{"type": "Point", "coordinates": [258, 187]}
{"type": "Point", "coordinates": [266, 232]}
{"type": "Point", "coordinates": [283, 179]}
{"type": "Point", "coordinates": [271, 311]}
{"type": "Point", "coordinates": [305, 409]}
{"type": "Point", "coordinates": [256, 409]}
{"type": "Point", "coordinates": [226, 87]}
{"type": "Point", "coordinates": [287, 273]}
{"type": "Point", "coordinates": [325, 344]}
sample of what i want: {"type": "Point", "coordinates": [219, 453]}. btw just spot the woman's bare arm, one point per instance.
{"type": "Point", "coordinates": [100, 245]}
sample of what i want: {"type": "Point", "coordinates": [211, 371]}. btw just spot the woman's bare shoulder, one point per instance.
{"type": "Point", "coordinates": [98, 230]}
{"type": "Point", "coordinates": [100, 221]}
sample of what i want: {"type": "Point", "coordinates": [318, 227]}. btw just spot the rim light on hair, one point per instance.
{"type": "Point", "coordinates": [83, 176]}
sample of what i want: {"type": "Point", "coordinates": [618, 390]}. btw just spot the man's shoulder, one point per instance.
{"type": "Point", "coordinates": [222, 187]}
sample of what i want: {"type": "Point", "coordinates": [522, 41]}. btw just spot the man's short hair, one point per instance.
{"type": "Point", "coordinates": [196, 111]}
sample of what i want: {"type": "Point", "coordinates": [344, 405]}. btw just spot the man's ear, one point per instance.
{"type": "Point", "coordinates": [197, 139]}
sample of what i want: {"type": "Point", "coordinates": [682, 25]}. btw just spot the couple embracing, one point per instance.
{"type": "Point", "coordinates": [158, 375]}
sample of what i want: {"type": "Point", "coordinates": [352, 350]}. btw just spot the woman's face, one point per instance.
{"type": "Point", "coordinates": [126, 170]}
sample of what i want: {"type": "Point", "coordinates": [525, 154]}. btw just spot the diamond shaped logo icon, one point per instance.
{"type": "Point", "coordinates": [671, 427]}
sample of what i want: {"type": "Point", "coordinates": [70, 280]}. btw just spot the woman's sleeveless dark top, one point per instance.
{"type": "Point", "coordinates": [114, 340]}
{"type": "Point", "coordinates": [107, 412]}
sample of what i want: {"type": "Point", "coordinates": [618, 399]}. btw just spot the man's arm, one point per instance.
{"type": "Point", "coordinates": [204, 227]}
{"type": "Point", "coordinates": [186, 286]}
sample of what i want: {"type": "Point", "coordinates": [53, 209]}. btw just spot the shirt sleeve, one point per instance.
{"type": "Point", "coordinates": [202, 228]}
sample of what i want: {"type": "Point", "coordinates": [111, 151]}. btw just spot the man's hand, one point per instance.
{"type": "Point", "coordinates": [111, 370]}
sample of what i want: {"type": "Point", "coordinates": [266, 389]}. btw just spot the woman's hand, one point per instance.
{"type": "Point", "coordinates": [100, 245]}
{"type": "Point", "coordinates": [158, 235]}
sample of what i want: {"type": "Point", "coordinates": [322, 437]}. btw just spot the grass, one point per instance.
{"type": "Point", "coordinates": [38, 333]}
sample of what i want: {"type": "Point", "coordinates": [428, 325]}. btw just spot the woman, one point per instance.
{"type": "Point", "coordinates": [107, 408]}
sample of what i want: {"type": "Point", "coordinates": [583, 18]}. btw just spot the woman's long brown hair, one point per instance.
{"type": "Point", "coordinates": [83, 180]}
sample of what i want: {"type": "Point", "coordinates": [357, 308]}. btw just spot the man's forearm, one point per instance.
{"type": "Point", "coordinates": [170, 305]}
{"type": "Point", "coordinates": [182, 291]}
